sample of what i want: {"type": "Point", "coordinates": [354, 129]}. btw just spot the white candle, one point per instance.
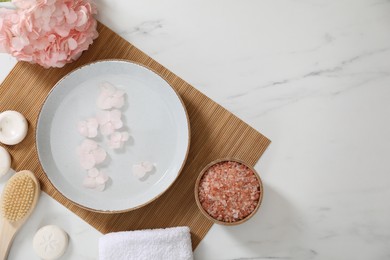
{"type": "Point", "coordinates": [5, 162]}
{"type": "Point", "coordinates": [13, 127]}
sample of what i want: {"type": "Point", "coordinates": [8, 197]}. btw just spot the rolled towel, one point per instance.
{"type": "Point", "coordinates": [152, 244]}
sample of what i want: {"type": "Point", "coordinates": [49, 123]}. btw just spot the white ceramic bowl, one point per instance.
{"type": "Point", "coordinates": [154, 115]}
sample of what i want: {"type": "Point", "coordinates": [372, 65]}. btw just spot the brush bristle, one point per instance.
{"type": "Point", "coordinates": [18, 197]}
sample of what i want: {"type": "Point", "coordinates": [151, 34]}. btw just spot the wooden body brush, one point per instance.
{"type": "Point", "coordinates": [19, 198]}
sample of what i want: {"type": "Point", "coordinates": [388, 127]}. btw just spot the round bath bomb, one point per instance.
{"type": "Point", "coordinates": [50, 242]}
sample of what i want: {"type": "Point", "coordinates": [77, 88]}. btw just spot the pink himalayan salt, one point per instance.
{"type": "Point", "coordinates": [229, 191]}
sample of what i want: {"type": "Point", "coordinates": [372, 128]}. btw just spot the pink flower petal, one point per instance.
{"type": "Point", "coordinates": [116, 136]}
{"type": "Point", "coordinates": [93, 132]}
{"type": "Point", "coordinates": [82, 18]}
{"type": "Point", "coordinates": [107, 129]}
{"type": "Point", "coordinates": [117, 124]}
{"type": "Point", "coordinates": [104, 101]}
{"type": "Point", "coordinates": [90, 154]}
{"type": "Point", "coordinates": [114, 145]}
{"type": "Point", "coordinates": [18, 43]}
{"type": "Point", "coordinates": [24, 4]}
{"type": "Point", "coordinates": [92, 122]}
{"type": "Point", "coordinates": [117, 139]}
{"type": "Point", "coordinates": [87, 162]}
{"type": "Point", "coordinates": [102, 178]}
{"type": "Point", "coordinates": [117, 102]}
{"type": "Point", "coordinates": [148, 166]}
{"type": "Point", "coordinates": [107, 88]}
{"type": "Point", "coordinates": [139, 171]}
{"type": "Point", "coordinates": [110, 97]}
{"type": "Point", "coordinates": [89, 183]}
{"type": "Point", "coordinates": [119, 93]}
{"type": "Point", "coordinates": [72, 43]}
{"type": "Point", "coordinates": [109, 121]}
{"type": "Point", "coordinates": [115, 115]}
{"type": "Point", "coordinates": [71, 17]}
{"type": "Point", "coordinates": [62, 31]}
{"type": "Point", "coordinates": [88, 128]}
{"type": "Point", "coordinates": [92, 125]}
{"type": "Point", "coordinates": [93, 173]}
{"type": "Point", "coordinates": [103, 117]}
{"type": "Point", "coordinates": [125, 136]}
{"type": "Point", "coordinates": [82, 128]}
{"type": "Point", "coordinates": [88, 145]}
{"type": "Point", "coordinates": [99, 154]}
{"type": "Point", "coordinates": [100, 187]}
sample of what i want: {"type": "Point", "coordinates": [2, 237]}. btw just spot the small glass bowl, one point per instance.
{"type": "Point", "coordinates": [197, 183]}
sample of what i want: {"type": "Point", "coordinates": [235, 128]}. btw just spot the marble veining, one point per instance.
{"type": "Point", "coordinates": [334, 71]}
{"type": "Point", "coordinates": [145, 28]}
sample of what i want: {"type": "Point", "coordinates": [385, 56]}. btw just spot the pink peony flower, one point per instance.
{"type": "Point", "coordinates": [91, 154]}
{"type": "Point", "coordinates": [110, 97]}
{"type": "Point", "coordinates": [51, 33]}
{"type": "Point", "coordinates": [95, 180]}
{"type": "Point", "coordinates": [24, 4]}
{"type": "Point", "coordinates": [109, 121]}
{"type": "Point", "coordinates": [117, 139]}
{"type": "Point", "coordinates": [89, 127]}
{"type": "Point", "coordinates": [8, 18]}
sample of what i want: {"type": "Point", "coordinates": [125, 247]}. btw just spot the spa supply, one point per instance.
{"type": "Point", "coordinates": [88, 128]}
{"type": "Point", "coordinates": [140, 170]}
{"type": "Point", "coordinates": [96, 180]}
{"type": "Point", "coordinates": [13, 127]}
{"type": "Point", "coordinates": [110, 97]}
{"type": "Point", "coordinates": [5, 162]}
{"type": "Point", "coordinates": [106, 124]}
{"type": "Point", "coordinates": [228, 191]}
{"type": "Point", "coordinates": [19, 198]}
{"type": "Point", "coordinates": [118, 139]}
{"type": "Point", "coordinates": [109, 121]}
{"type": "Point", "coordinates": [90, 154]}
{"type": "Point", "coordinates": [50, 242]}
{"type": "Point", "coordinates": [49, 33]}
{"type": "Point", "coordinates": [169, 243]}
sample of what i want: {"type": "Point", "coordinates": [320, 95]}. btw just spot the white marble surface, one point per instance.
{"type": "Point", "coordinates": [314, 76]}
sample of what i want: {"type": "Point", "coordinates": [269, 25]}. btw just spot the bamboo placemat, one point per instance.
{"type": "Point", "coordinates": [215, 133]}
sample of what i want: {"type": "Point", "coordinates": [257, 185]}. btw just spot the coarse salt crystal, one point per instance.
{"type": "Point", "coordinates": [229, 191]}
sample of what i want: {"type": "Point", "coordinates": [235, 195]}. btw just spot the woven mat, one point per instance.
{"type": "Point", "coordinates": [216, 133]}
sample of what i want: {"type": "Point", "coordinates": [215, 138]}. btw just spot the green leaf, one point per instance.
{"type": "Point", "coordinates": [5, 1]}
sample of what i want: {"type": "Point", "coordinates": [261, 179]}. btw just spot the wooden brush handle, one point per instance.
{"type": "Point", "coordinates": [7, 234]}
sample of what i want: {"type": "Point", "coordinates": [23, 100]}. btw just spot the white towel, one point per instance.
{"type": "Point", "coordinates": [153, 244]}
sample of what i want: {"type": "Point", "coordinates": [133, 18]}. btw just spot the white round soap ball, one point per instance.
{"type": "Point", "coordinates": [13, 127]}
{"type": "Point", "coordinates": [5, 161]}
{"type": "Point", "coordinates": [50, 242]}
